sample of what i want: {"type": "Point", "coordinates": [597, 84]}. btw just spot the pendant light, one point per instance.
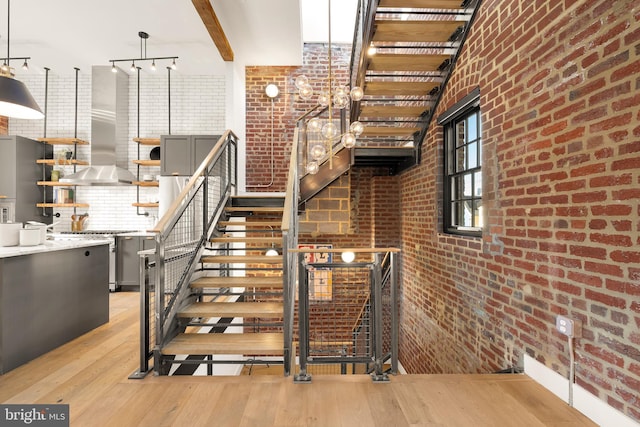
{"type": "Point", "coordinates": [15, 99]}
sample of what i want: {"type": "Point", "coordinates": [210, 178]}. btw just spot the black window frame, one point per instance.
{"type": "Point", "coordinates": [468, 175]}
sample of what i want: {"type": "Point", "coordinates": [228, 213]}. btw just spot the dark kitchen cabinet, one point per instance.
{"type": "Point", "coordinates": [128, 260]}
{"type": "Point", "coordinates": [19, 174]}
{"type": "Point", "coordinates": [180, 155]}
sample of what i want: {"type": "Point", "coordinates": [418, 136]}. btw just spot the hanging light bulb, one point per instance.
{"type": "Point", "coordinates": [173, 64]}
{"type": "Point", "coordinates": [312, 168]}
{"type": "Point", "coordinates": [357, 93]}
{"type": "Point", "coordinates": [314, 125]}
{"type": "Point", "coordinates": [329, 130]}
{"type": "Point", "coordinates": [153, 65]}
{"type": "Point", "coordinates": [318, 151]}
{"type": "Point", "coordinates": [25, 66]}
{"type": "Point", "coordinates": [133, 67]}
{"type": "Point", "coordinates": [340, 91]}
{"type": "Point", "coordinates": [5, 67]}
{"type": "Point", "coordinates": [372, 50]}
{"type": "Point", "coordinates": [348, 140]}
{"type": "Point", "coordinates": [324, 99]}
{"type": "Point", "coordinates": [306, 92]}
{"type": "Point", "coordinates": [113, 67]}
{"type": "Point", "coordinates": [301, 81]}
{"type": "Point", "coordinates": [341, 101]}
{"type": "Point", "coordinates": [356, 128]}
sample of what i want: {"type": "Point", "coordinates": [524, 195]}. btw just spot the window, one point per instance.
{"type": "Point", "coordinates": [463, 167]}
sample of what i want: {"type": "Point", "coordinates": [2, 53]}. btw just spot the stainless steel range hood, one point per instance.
{"type": "Point", "coordinates": [109, 130]}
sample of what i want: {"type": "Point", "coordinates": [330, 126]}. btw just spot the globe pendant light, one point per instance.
{"type": "Point", "coordinates": [15, 99]}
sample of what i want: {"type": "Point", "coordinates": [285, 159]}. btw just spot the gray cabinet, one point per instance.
{"type": "Point", "coordinates": [50, 298]}
{"type": "Point", "coordinates": [128, 261]}
{"type": "Point", "coordinates": [19, 176]}
{"type": "Point", "coordinates": [182, 154]}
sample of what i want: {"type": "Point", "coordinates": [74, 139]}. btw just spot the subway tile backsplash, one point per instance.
{"type": "Point", "coordinates": [197, 107]}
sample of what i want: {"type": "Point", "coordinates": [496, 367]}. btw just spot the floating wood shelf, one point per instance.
{"type": "Point", "coordinates": [63, 141]}
{"type": "Point", "coordinates": [62, 162]}
{"type": "Point", "coordinates": [147, 162]}
{"type": "Point", "coordinates": [146, 183]}
{"type": "Point", "coordinates": [55, 184]}
{"type": "Point", "coordinates": [147, 141]}
{"type": "Point", "coordinates": [62, 205]}
{"type": "Point", "coordinates": [146, 205]}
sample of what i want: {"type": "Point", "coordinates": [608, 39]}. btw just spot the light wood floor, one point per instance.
{"type": "Point", "coordinates": [90, 374]}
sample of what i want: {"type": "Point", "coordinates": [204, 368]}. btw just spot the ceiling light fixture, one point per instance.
{"type": "Point", "coordinates": [143, 56]}
{"type": "Point", "coordinates": [331, 97]}
{"type": "Point", "coordinates": [15, 99]}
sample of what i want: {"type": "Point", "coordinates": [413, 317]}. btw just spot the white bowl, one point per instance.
{"type": "Point", "coordinates": [10, 233]}
{"type": "Point", "coordinates": [42, 228]}
{"type": "Point", "coordinates": [29, 237]}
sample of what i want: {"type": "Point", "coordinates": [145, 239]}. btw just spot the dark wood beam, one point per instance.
{"type": "Point", "coordinates": [211, 23]}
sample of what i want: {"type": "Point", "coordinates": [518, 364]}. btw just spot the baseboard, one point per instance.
{"type": "Point", "coordinates": [592, 407]}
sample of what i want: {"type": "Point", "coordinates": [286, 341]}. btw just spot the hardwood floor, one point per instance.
{"type": "Point", "coordinates": [90, 374]}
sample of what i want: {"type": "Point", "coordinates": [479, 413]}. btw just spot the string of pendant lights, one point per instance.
{"type": "Point", "coordinates": [143, 57]}
{"type": "Point", "coordinates": [331, 98]}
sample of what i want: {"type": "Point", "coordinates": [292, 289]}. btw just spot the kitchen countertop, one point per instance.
{"type": "Point", "coordinates": [49, 246]}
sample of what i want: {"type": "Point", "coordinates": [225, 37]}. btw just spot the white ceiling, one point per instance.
{"type": "Point", "coordinates": [64, 34]}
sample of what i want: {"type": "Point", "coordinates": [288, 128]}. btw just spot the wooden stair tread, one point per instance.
{"type": "Point", "coordinates": [233, 309]}
{"type": "Point", "coordinates": [252, 224]}
{"type": "Point", "coordinates": [237, 282]}
{"type": "Point", "coordinates": [240, 259]}
{"type": "Point", "coordinates": [406, 62]}
{"type": "Point", "coordinates": [230, 239]}
{"type": "Point", "coordinates": [415, 31]}
{"type": "Point", "coordinates": [389, 131]}
{"type": "Point", "coordinates": [390, 88]}
{"type": "Point", "coordinates": [276, 209]}
{"type": "Point", "coordinates": [422, 4]}
{"type": "Point", "coordinates": [392, 111]}
{"type": "Point", "coordinates": [247, 344]}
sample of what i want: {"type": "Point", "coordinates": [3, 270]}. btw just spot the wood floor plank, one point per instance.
{"type": "Point", "coordinates": [90, 374]}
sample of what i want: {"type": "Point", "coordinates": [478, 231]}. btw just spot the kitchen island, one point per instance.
{"type": "Point", "coordinates": [49, 295]}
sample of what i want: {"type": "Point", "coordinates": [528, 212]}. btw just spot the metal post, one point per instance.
{"type": "Point", "coordinates": [159, 316]}
{"type": "Point", "coordinates": [378, 374]}
{"type": "Point", "coordinates": [395, 324]}
{"type": "Point", "coordinates": [288, 320]}
{"type": "Point", "coordinates": [143, 370]}
{"type": "Point", "coordinates": [303, 320]}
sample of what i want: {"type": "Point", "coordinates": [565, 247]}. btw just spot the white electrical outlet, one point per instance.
{"type": "Point", "coordinates": [569, 327]}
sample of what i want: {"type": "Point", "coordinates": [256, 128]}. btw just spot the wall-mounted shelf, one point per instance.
{"type": "Point", "coordinates": [63, 141]}
{"type": "Point", "coordinates": [62, 205]}
{"type": "Point", "coordinates": [146, 162]}
{"type": "Point", "coordinates": [54, 162]}
{"type": "Point", "coordinates": [147, 141]}
{"type": "Point", "coordinates": [146, 183]}
{"type": "Point", "coordinates": [55, 184]}
{"type": "Point", "coordinates": [146, 205]}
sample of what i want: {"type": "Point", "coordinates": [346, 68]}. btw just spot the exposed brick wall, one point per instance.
{"type": "Point", "coordinates": [328, 211]}
{"type": "Point", "coordinates": [4, 125]}
{"type": "Point", "coordinates": [561, 171]}
{"type": "Point", "coordinates": [288, 107]}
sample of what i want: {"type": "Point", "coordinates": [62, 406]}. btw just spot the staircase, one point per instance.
{"type": "Point", "coordinates": [417, 43]}
{"type": "Point", "coordinates": [236, 284]}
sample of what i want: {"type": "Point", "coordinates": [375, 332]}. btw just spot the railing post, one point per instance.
{"type": "Point", "coordinates": [288, 318]}
{"type": "Point", "coordinates": [143, 369]}
{"type": "Point", "coordinates": [159, 316]}
{"type": "Point", "coordinates": [395, 325]}
{"type": "Point", "coordinates": [378, 374]}
{"type": "Point", "coordinates": [303, 320]}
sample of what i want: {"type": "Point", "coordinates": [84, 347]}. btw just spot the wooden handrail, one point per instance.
{"type": "Point", "coordinates": [338, 250]}
{"type": "Point", "coordinates": [162, 224]}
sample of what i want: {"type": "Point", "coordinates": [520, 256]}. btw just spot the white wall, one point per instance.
{"type": "Point", "coordinates": [197, 107]}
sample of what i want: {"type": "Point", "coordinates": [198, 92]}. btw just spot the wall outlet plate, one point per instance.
{"type": "Point", "coordinates": [569, 327]}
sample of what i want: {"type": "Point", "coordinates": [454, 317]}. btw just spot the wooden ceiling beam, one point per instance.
{"type": "Point", "coordinates": [211, 23]}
